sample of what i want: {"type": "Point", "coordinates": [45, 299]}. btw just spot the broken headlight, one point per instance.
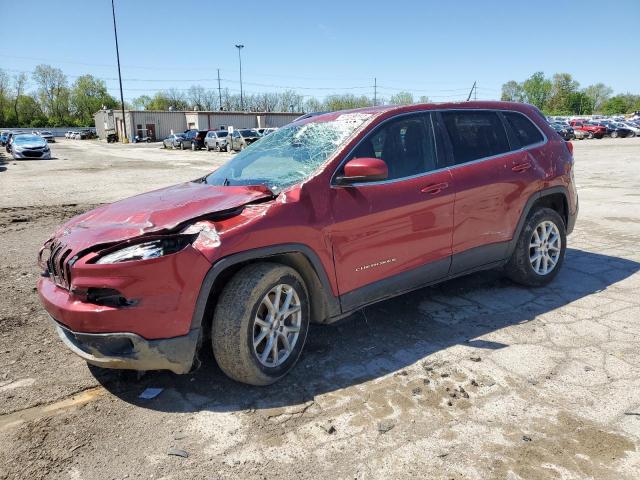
{"type": "Point", "coordinates": [147, 250]}
{"type": "Point", "coordinates": [200, 233]}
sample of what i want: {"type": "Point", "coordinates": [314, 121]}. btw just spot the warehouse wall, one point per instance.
{"type": "Point", "coordinates": [166, 122]}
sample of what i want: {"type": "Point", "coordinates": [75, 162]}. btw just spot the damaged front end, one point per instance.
{"type": "Point", "coordinates": [128, 301]}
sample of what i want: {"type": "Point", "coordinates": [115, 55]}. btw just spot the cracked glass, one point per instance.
{"type": "Point", "coordinates": [289, 155]}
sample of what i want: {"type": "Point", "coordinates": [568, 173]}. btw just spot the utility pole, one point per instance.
{"type": "Point", "coordinates": [240, 47]}
{"type": "Point", "coordinates": [115, 33]}
{"type": "Point", "coordinates": [475, 92]}
{"type": "Point", "coordinates": [219, 90]}
{"type": "Point", "coordinates": [375, 91]}
{"type": "Point", "coordinates": [471, 91]}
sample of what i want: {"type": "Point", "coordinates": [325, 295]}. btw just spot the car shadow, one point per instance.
{"type": "Point", "coordinates": [382, 339]}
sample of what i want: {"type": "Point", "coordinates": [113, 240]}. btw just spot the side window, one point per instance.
{"type": "Point", "coordinates": [475, 134]}
{"type": "Point", "coordinates": [407, 146]}
{"type": "Point", "coordinates": [525, 131]}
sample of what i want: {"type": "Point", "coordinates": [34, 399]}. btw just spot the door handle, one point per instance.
{"type": "Point", "coordinates": [434, 189]}
{"type": "Point", "coordinates": [521, 167]}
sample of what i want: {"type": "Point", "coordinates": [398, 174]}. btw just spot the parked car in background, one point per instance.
{"type": "Point", "coordinates": [580, 134]}
{"type": "Point", "coordinates": [266, 131]}
{"type": "Point", "coordinates": [193, 139]}
{"type": "Point", "coordinates": [48, 136]}
{"type": "Point", "coordinates": [631, 130]}
{"type": "Point", "coordinates": [30, 146]}
{"type": "Point", "coordinates": [8, 142]}
{"type": "Point", "coordinates": [4, 136]}
{"type": "Point", "coordinates": [241, 139]}
{"type": "Point", "coordinates": [216, 140]}
{"type": "Point", "coordinates": [565, 131]}
{"type": "Point", "coordinates": [593, 131]}
{"type": "Point", "coordinates": [354, 207]}
{"type": "Point", "coordinates": [634, 127]}
{"type": "Point", "coordinates": [173, 141]}
{"type": "Point", "coordinates": [68, 134]}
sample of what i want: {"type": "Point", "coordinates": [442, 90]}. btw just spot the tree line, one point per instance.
{"type": "Point", "coordinates": [57, 102]}
{"type": "Point", "coordinates": [562, 95]}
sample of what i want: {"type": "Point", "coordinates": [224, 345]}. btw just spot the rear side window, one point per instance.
{"type": "Point", "coordinates": [475, 134]}
{"type": "Point", "coordinates": [525, 131]}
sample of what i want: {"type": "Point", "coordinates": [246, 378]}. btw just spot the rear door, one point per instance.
{"type": "Point", "coordinates": [481, 156]}
{"type": "Point", "coordinates": [393, 235]}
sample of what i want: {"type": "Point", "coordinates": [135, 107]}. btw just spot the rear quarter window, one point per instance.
{"type": "Point", "coordinates": [475, 134]}
{"type": "Point", "coordinates": [524, 130]}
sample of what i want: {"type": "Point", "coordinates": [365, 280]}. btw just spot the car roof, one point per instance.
{"type": "Point", "coordinates": [390, 110]}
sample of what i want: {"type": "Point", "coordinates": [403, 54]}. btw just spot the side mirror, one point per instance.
{"type": "Point", "coordinates": [359, 170]}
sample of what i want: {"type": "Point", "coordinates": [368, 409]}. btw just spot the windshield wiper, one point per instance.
{"type": "Point", "coordinates": [226, 182]}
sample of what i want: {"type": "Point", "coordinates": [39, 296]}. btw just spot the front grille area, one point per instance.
{"type": "Point", "coordinates": [57, 265]}
{"type": "Point", "coordinates": [32, 153]}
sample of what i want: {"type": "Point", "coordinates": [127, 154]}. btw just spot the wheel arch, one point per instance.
{"type": "Point", "coordinates": [555, 198]}
{"type": "Point", "coordinates": [301, 258]}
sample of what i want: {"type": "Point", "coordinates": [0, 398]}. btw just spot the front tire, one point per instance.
{"type": "Point", "coordinates": [260, 323]}
{"type": "Point", "coordinates": [540, 249]}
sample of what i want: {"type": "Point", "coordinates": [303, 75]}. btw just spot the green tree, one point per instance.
{"type": "Point", "coordinates": [401, 98]}
{"type": "Point", "coordinates": [598, 93]}
{"type": "Point", "coordinates": [616, 105]}
{"type": "Point", "coordinates": [512, 91]}
{"type": "Point", "coordinates": [19, 84]}
{"type": "Point", "coordinates": [537, 90]}
{"type": "Point", "coordinates": [562, 90]}
{"type": "Point", "coordinates": [345, 101]}
{"type": "Point", "coordinates": [4, 96]}
{"type": "Point", "coordinates": [424, 99]}
{"type": "Point", "coordinates": [53, 93]}
{"type": "Point", "coordinates": [88, 95]}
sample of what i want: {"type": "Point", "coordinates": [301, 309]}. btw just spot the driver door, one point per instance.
{"type": "Point", "coordinates": [394, 235]}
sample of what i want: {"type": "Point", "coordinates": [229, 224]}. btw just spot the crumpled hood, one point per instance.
{"type": "Point", "coordinates": [153, 212]}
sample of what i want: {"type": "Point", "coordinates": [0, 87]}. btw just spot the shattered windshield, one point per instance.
{"type": "Point", "coordinates": [289, 155]}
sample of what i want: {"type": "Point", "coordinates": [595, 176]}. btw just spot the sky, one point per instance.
{"type": "Point", "coordinates": [432, 48]}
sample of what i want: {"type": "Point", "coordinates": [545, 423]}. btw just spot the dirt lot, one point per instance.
{"type": "Point", "coordinates": [473, 379]}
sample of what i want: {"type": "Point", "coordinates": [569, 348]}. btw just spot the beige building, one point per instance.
{"type": "Point", "coordinates": [161, 124]}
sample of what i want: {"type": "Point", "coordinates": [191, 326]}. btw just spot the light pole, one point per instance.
{"type": "Point", "coordinates": [115, 33]}
{"type": "Point", "coordinates": [240, 47]}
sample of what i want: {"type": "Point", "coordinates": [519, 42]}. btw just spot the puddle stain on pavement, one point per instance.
{"type": "Point", "coordinates": [41, 411]}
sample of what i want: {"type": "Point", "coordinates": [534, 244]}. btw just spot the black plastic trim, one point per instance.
{"type": "Point", "coordinates": [396, 285]}
{"type": "Point", "coordinates": [332, 302]}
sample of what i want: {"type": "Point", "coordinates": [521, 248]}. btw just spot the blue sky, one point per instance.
{"type": "Point", "coordinates": [430, 48]}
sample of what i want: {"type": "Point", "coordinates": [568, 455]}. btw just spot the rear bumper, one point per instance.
{"type": "Point", "coordinates": [130, 351]}
{"type": "Point", "coordinates": [572, 217]}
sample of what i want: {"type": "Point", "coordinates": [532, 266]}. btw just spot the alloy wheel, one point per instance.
{"type": "Point", "coordinates": [276, 326]}
{"type": "Point", "coordinates": [545, 247]}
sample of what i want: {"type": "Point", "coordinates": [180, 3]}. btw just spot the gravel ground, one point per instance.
{"type": "Point", "coordinates": [472, 379]}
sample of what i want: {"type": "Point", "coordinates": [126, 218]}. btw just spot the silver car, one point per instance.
{"type": "Point", "coordinates": [216, 140]}
{"type": "Point", "coordinates": [48, 136]}
{"type": "Point", "coordinates": [30, 146]}
{"type": "Point", "coordinates": [173, 140]}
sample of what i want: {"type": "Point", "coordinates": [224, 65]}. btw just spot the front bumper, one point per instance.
{"type": "Point", "coordinates": [130, 351]}
{"type": "Point", "coordinates": [21, 155]}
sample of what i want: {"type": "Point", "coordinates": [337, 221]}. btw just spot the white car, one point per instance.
{"type": "Point", "coordinates": [68, 134]}
{"type": "Point", "coordinates": [30, 147]}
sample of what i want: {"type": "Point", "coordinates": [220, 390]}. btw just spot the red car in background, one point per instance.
{"type": "Point", "coordinates": [593, 131]}
{"type": "Point", "coordinates": [324, 216]}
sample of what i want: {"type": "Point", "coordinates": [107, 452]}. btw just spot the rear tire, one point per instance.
{"type": "Point", "coordinates": [614, 134]}
{"type": "Point", "coordinates": [250, 314]}
{"type": "Point", "coordinates": [590, 135]}
{"type": "Point", "coordinates": [523, 266]}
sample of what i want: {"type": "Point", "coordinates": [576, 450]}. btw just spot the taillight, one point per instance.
{"type": "Point", "coordinates": [570, 147]}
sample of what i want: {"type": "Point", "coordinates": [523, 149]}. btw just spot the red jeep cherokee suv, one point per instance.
{"type": "Point", "coordinates": [326, 215]}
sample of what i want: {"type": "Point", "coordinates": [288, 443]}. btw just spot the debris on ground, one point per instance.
{"type": "Point", "coordinates": [385, 425]}
{"type": "Point", "coordinates": [176, 452]}
{"type": "Point", "coordinates": [150, 393]}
